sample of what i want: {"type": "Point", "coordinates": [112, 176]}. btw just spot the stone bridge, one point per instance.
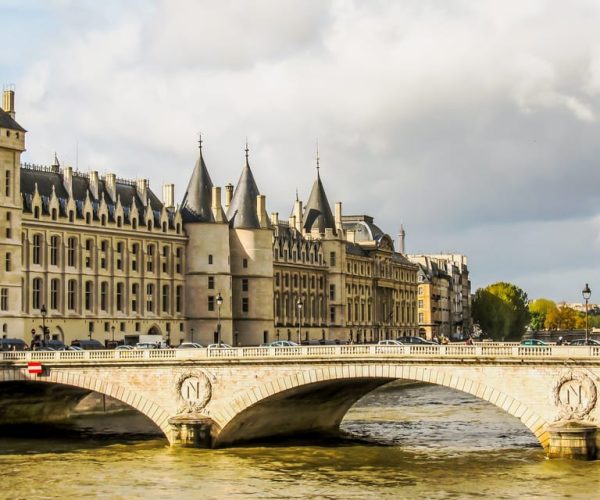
{"type": "Point", "coordinates": [217, 397]}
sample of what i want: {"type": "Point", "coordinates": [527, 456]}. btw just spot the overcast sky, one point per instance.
{"type": "Point", "coordinates": [473, 123]}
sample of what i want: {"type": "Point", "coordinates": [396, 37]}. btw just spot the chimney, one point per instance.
{"type": "Point", "coordinates": [338, 215]}
{"type": "Point", "coordinates": [216, 208]}
{"type": "Point", "coordinates": [110, 182]}
{"type": "Point", "coordinates": [94, 184]}
{"type": "Point", "coordinates": [228, 195]}
{"type": "Point", "coordinates": [275, 218]}
{"type": "Point", "coordinates": [8, 101]}
{"type": "Point", "coordinates": [142, 190]}
{"type": "Point", "coordinates": [401, 236]}
{"type": "Point", "coordinates": [68, 180]}
{"type": "Point", "coordinates": [298, 215]}
{"type": "Point", "coordinates": [261, 210]}
{"type": "Point", "coordinates": [169, 195]}
{"type": "Point", "coordinates": [292, 221]}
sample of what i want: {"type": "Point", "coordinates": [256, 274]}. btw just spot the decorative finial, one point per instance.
{"type": "Point", "coordinates": [56, 162]}
{"type": "Point", "coordinates": [318, 159]}
{"type": "Point", "coordinates": [297, 199]}
{"type": "Point", "coordinates": [200, 140]}
{"type": "Point", "coordinates": [247, 150]}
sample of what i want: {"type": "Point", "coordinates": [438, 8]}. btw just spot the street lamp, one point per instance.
{"type": "Point", "coordinates": [219, 304]}
{"type": "Point", "coordinates": [44, 312]}
{"type": "Point", "coordinates": [587, 293]}
{"type": "Point", "coordinates": [112, 328]}
{"type": "Point", "coordinates": [299, 305]}
{"type": "Point", "coordinates": [192, 332]}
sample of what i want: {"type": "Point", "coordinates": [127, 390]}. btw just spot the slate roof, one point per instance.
{"type": "Point", "coordinates": [363, 227]}
{"type": "Point", "coordinates": [317, 213]}
{"type": "Point", "coordinates": [7, 121]}
{"type": "Point", "coordinates": [242, 212]}
{"type": "Point", "coordinates": [197, 200]}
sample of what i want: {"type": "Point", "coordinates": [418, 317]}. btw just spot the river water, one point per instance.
{"type": "Point", "coordinates": [415, 441]}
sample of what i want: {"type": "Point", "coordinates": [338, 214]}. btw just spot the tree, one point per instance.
{"type": "Point", "coordinates": [538, 310]}
{"type": "Point", "coordinates": [501, 311]}
{"type": "Point", "coordinates": [561, 318]}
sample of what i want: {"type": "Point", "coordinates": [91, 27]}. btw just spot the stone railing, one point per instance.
{"type": "Point", "coordinates": [334, 352]}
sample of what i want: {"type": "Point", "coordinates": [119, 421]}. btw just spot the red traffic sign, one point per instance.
{"type": "Point", "coordinates": [35, 367]}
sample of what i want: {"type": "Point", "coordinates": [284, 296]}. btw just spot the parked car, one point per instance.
{"type": "Point", "coordinates": [414, 340]}
{"type": "Point", "coordinates": [533, 342]}
{"type": "Point", "coordinates": [146, 345]}
{"type": "Point", "coordinates": [88, 345]}
{"type": "Point", "coordinates": [189, 345]}
{"type": "Point", "coordinates": [389, 342]}
{"type": "Point", "coordinates": [219, 346]}
{"type": "Point", "coordinates": [56, 345]}
{"type": "Point", "coordinates": [283, 343]}
{"type": "Point", "coordinates": [124, 347]}
{"type": "Point", "coordinates": [12, 345]}
{"type": "Point", "coordinates": [584, 342]}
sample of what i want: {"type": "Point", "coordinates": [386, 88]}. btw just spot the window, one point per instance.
{"type": "Point", "coordinates": [211, 282]}
{"type": "Point", "coordinates": [103, 220]}
{"type": "Point", "coordinates": [420, 304]}
{"type": "Point", "coordinates": [134, 223]}
{"type": "Point", "coordinates": [36, 213]}
{"type": "Point", "coordinates": [211, 303]}
{"type": "Point", "coordinates": [277, 279]}
{"type": "Point", "coordinates": [54, 247]}
{"type": "Point", "coordinates": [37, 249]}
{"type": "Point", "coordinates": [8, 183]}
{"type": "Point", "coordinates": [332, 314]}
{"type": "Point", "coordinates": [8, 262]}
{"type": "Point", "coordinates": [71, 216]}
{"type": "Point", "coordinates": [150, 261]}
{"type": "Point", "coordinates": [245, 263]}
{"type": "Point", "coordinates": [332, 259]}
{"type": "Point", "coordinates": [178, 264]}
{"type": "Point", "coordinates": [54, 214]}
{"type": "Point", "coordinates": [37, 293]}
{"type": "Point", "coordinates": [331, 292]}
{"type": "Point", "coordinates": [88, 218]}
{"type": "Point", "coordinates": [178, 296]}
{"type": "Point", "coordinates": [72, 295]}
{"type": "Point", "coordinates": [54, 294]}
{"type": "Point", "coordinates": [89, 247]}
{"type": "Point", "coordinates": [134, 297]}
{"type": "Point", "coordinates": [210, 259]}
{"type": "Point", "coordinates": [165, 298]}
{"type": "Point", "coordinates": [244, 284]}
{"type": "Point", "coordinates": [89, 295]}
{"type": "Point", "coordinates": [119, 258]}
{"type": "Point", "coordinates": [135, 248]}
{"type": "Point", "coordinates": [8, 225]}
{"type": "Point", "coordinates": [421, 318]}
{"type": "Point", "coordinates": [4, 299]}
{"type": "Point", "coordinates": [150, 297]}
{"type": "Point", "coordinates": [104, 296]}
{"type": "Point", "coordinates": [245, 304]}
{"type": "Point", "coordinates": [420, 290]}
{"type": "Point", "coordinates": [71, 252]}
{"type": "Point", "coordinates": [119, 297]}
{"type": "Point", "coordinates": [119, 221]}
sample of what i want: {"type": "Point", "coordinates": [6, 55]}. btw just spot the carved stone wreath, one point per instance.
{"type": "Point", "coordinates": [575, 395]}
{"type": "Point", "coordinates": [193, 390]}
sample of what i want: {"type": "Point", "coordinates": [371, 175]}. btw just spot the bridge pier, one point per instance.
{"type": "Point", "coordinates": [190, 431]}
{"type": "Point", "coordinates": [575, 440]}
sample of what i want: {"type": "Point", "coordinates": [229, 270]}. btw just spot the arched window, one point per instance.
{"type": "Point", "coordinates": [54, 250]}
{"type": "Point", "coordinates": [120, 297]}
{"type": "Point", "coordinates": [36, 298]}
{"type": "Point", "coordinates": [89, 295]}
{"type": "Point", "coordinates": [72, 295]}
{"type": "Point", "coordinates": [54, 294]}
{"type": "Point", "coordinates": [36, 254]}
{"type": "Point", "coordinates": [104, 296]}
{"type": "Point", "coordinates": [72, 252]}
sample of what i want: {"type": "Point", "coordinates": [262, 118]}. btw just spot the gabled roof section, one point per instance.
{"type": "Point", "coordinates": [317, 214]}
{"type": "Point", "coordinates": [7, 121]}
{"type": "Point", "coordinates": [242, 213]}
{"type": "Point", "coordinates": [197, 201]}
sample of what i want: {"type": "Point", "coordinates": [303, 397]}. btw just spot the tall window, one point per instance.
{"type": "Point", "coordinates": [211, 282]}
{"type": "Point", "coordinates": [104, 255]}
{"type": "Point", "coordinates": [72, 295]}
{"type": "Point", "coordinates": [8, 183]}
{"type": "Point", "coordinates": [104, 296]}
{"type": "Point", "coordinates": [211, 302]}
{"type": "Point", "coordinates": [37, 249]}
{"type": "Point", "coordinates": [332, 260]}
{"type": "Point", "coordinates": [178, 253]}
{"type": "Point", "coordinates": [54, 294]}
{"type": "Point", "coordinates": [89, 295]}
{"type": "Point", "coordinates": [8, 225]}
{"type": "Point", "coordinates": [37, 293]}
{"type": "Point", "coordinates": [245, 285]}
{"type": "Point", "coordinates": [245, 304]}
{"type": "Point", "coordinates": [331, 292]}
{"type": "Point", "coordinates": [178, 297]}
{"type": "Point", "coordinates": [165, 298]}
{"type": "Point", "coordinates": [150, 262]}
{"type": "Point", "coordinates": [54, 247]}
{"type": "Point", "coordinates": [89, 247]}
{"type": "Point", "coordinates": [332, 314]}
{"type": "Point", "coordinates": [8, 262]}
{"type": "Point", "coordinates": [135, 249]}
{"type": "Point", "coordinates": [72, 252]}
{"type": "Point", "coordinates": [119, 297]}
{"type": "Point", "coordinates": [4, 299]}
{"type": "Point", "coordinates": [119, 256]}
{"type": "Point", "coordinates": [210, 259]}
{"type": "Point", "coordinates": [150, 297]}
{"type": "Point", "coordinates": [245, 263]}
{"type": "Point", "coordinates": [135, 290]}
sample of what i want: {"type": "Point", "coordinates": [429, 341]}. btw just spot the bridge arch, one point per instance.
{"type": "Point", "coordinates": [158, 415]}
{"type": "Point", "coordinates": [239, 418]}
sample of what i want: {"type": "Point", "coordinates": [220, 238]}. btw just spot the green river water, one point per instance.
{"type": "Point", "coordinates": [416, 441]}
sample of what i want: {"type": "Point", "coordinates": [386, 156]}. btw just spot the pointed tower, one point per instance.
{"type": "Point", "coordinates": [197, 201]}
{"type": "Point", "coordinates": [251, 243]}
{"type": "Point", "coordinates": [401, 237]}
{"type": "Point", "coordinates": [317, 214]}
{"type": "Point", "coordinates": [208, 271]}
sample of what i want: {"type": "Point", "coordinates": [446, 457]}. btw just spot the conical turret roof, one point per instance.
{"type": "Point", "coordinates": [196, 204]}
{"type": "Point", "coordinates": [317, 214]}
{"type": "Point", "coordinates": [242, 212]}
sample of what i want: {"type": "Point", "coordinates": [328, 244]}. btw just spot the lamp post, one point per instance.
{"type": "Point", "coordinates": [219, 304]}
{"type": "Point", "coordinates": [586, 293]}
{"type": "Point", "coordinates": [112, 329]}
{"type": "Point", "coordinates": [44, 312]}
{"type": "Point", "coordinates": [299, 305]}
{"type": "Point", "coordinates": [192, 332]}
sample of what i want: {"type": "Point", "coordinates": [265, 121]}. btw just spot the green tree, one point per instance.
{"type": "Point", "coordinates": [538, 310]}
{"type": "Point", "coordinates": [501, 311]}
{"type": "Point", "coordinates": [561, 318]}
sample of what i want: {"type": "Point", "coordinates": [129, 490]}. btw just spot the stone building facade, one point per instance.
{"type": "Point", "coordinates": [102, 257]}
